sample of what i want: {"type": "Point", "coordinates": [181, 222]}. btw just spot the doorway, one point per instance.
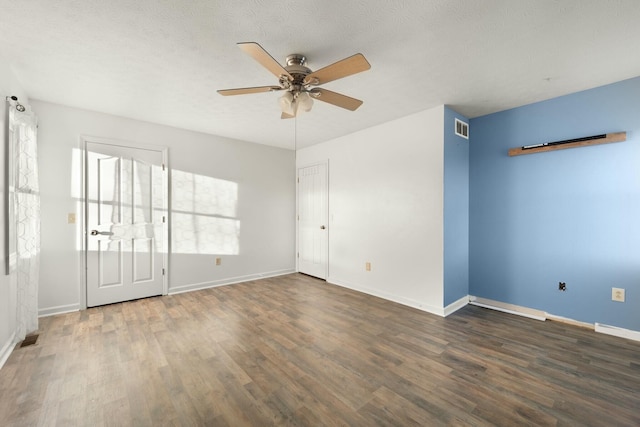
{"type": "Point", "coordinates": [125, 221]}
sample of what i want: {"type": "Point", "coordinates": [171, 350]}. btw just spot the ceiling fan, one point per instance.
{"type": "Point", "coordinates": [300, 83]}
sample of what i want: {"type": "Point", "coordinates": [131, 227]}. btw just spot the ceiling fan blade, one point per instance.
{"type": "Point", "coordinates": [246, 90]}
{"type": "Point", "coordinates": [346, 67]}
{"type": "Point", "coordinates": [258, 53]}
{"type": "Point", "coordinates": [336, 99]}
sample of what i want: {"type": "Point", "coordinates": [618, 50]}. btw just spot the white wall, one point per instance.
{"type": "Point", "coordinates": [8, 86]}
{"type": "Point", "coordinates": [263, 205]}
{"type": "Point", "coordinates": [386, 207]}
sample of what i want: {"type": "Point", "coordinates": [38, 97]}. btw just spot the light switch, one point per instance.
{"type": "Point", "coordinates": [71, 218]}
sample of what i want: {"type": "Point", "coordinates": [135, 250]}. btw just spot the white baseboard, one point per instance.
{"type": "Point", "coordinates": [508, 308]}
{"type": "Point", "coordinates": [569, 321]}
{"type": "Point", "coordinates": [61, 309]}
{"type": "Point", "coordinates": [618, 332]}
{"type": "Point", "coordinates": [541, 315]}
{"type": "Point", "coordinates": [440, 311]}
{"type": "Point", "coordinates": [7, 348]}
{"type": "Point", "coordinates": [227, 281]}
{"type": "Point", "coordinates": [456, 305]}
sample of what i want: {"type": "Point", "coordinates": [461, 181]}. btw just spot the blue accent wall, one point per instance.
{"type": "Point", "coordinates": [569, 215]}
{"type": "Point", "coordinates": [456, 210]}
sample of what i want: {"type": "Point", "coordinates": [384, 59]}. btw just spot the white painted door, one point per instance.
{"type": "Point", "coordinates": [313, 227]}
{"type": "Point", "coordinates": [125, 198]}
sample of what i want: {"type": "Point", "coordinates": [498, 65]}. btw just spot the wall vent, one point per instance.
{"type": "Point", "coordinates": [462, 129]}
{"type": "Point", "coordinates": [29, 340]}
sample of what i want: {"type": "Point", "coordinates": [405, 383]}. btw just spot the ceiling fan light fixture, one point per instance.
{"type": "Point", "coordinates": [305, 101]}
{"type": "Point", "coordinates": [286, 103]}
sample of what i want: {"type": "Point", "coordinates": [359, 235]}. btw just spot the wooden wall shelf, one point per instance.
{"type": "Point", "coordinates": [571, 143]}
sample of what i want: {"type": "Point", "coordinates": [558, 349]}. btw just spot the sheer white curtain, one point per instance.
{"type": "Point", "coordinates": [26, 207]}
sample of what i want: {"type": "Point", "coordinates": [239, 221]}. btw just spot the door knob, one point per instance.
{"type": "Point", "coordinates": [105, 233]}
{"type": "Point", "coordinates": [322, 227]}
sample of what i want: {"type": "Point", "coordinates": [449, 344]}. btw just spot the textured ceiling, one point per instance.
{"type": "Point", "coordinates": [163, 60]}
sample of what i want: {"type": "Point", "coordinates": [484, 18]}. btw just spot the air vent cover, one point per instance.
{"type": "Point", "coordinates": [29, 340]}
{"type": "Point", "coordinates": [462, 129]}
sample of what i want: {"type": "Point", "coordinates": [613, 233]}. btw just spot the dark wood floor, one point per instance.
{"type": "Point", "coordinates": [296, 351]}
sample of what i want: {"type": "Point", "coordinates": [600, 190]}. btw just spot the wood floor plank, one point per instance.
{"type": "Point", "coordinates": [294, 350]}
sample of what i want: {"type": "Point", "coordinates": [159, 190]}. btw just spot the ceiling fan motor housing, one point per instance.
{"type": "Point", "coordinates": [297, 69]}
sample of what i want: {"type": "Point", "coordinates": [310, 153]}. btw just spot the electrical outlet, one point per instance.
{"type": "Point", "coordinates": [218, 261]}
{"type": "Point", "coordinates": [617, 294]}
{"type": "Point", "coordinates": [562, 286]}
{"type": "Point", "coordinates": [367, 266]}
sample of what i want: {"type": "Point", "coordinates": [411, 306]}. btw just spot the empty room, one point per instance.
{"type": "Point", "coordinates": [311, 213]}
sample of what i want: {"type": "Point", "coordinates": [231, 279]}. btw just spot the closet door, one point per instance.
{"type": "Point", "coordinates": [313, 227]}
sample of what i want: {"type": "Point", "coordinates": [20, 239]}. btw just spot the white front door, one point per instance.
{"type": "Point", "coordinates": [125, 199]}
{"type": "Point", "coordinates": [313, 227]}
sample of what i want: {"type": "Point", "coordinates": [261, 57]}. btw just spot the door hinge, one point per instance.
{"type": "Point", "coordinates": [298, 180]}
{"type": "Point", "coordinates": [298, 254]}
{"type": "Point", "coordinates": [164, 219]}
{"type": "Point", "coordinates": [163, 166]}
{"type": "Point", "coordinates": [163, 271]}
